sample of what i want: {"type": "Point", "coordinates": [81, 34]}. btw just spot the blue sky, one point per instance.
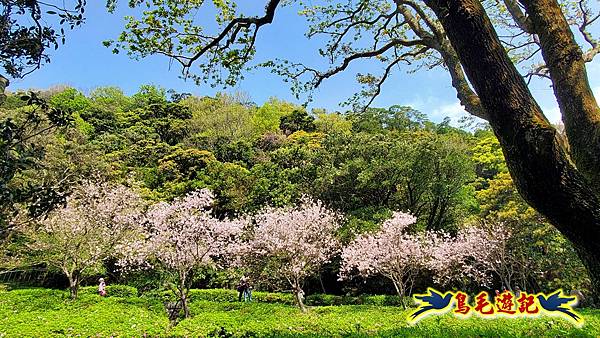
{"type": "Point", "coordinates": [84, 63]}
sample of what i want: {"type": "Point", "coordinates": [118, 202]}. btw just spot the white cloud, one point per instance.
{"type": "Point", "coordinates": [452, 110]}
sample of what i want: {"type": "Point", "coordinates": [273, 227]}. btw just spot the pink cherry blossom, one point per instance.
{"type": "Point", "coordinates": [77, 238]}
{"type": "Point", "coordinates": [475, 254]}
{"type": "Point", "coordinates": [295, 241]}
{"type": "Point", "coordinates": [390, 252]}
{"type": "Point", "coordinates": [182, 236]}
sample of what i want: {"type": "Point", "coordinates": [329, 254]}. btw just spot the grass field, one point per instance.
{"type": "Point", "coordinates": [45, 312]}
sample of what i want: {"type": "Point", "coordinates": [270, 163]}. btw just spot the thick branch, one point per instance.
{"type": "Point", "coordinates": [517, 14]}
{"type": "Point", "coordinates": [566, 65]}
{"type": "Point", "coordinates": [464, 92]}
{"type": "Point", "coordinates": [233, 28]}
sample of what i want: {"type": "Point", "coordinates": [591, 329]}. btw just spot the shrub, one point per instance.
{"type": "Point", "coordinates": [214, 295]}
{"type": "Point", "coordinates": [329, 300]}
{"type": "Point", "coordinates": [226, 295]}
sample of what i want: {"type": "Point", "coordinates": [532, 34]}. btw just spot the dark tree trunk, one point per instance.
{"type": "Point", "coordinates": [566, 63]}
{"type": "Point", "coordinates": [539, 164]}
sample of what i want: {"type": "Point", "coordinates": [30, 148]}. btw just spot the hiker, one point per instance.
{"type": "Point", "coordinates": [580, 298]}
{"type": "Point", "coordinates": [241, 288]}
{"type": "Point", "coordinates": [102, 288]}
{"type": "Point", "coordinates": [248, 291]}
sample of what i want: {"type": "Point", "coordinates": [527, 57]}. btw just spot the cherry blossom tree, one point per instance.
{"type": "Point", "coordinates": [182, 236]}
{"type": "Point", "coordinates": [476, 254]}
{"type": "Point", "coordinates": [294, 242]}
{"type": "Point", "coordinates": [77, 238]}
{"type": "Point", "coordinates": [390, 252]}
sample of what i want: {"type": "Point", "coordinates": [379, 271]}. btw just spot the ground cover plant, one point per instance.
{"type": "Point", "coordinates": [44, 312]}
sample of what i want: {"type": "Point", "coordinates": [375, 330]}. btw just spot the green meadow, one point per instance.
{"type": "Point", "coordinates": [215, 313]}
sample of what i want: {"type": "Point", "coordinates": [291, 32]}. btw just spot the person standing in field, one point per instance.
{"type": "Point", "coordinates": [102, 288]}
{"type": "Point", "coordinates": [241, 288]}
{"type": "Point", "coordinates": [248, 291]}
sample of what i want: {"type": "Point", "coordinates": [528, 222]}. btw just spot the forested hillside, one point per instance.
{"type": "Point", "coordinates": [363, 164]}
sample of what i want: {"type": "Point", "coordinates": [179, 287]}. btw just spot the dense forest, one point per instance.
{"type": "Point", "coordinates": [365, 164]}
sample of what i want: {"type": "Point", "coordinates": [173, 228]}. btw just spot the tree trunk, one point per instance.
{"type": "Point", "coordinates": [400, 291]}
{"type": "Point", "coordinates": [321, 282]}
{"type": "Point", "coordinates": [184, 304]}
{"type": "Point", "coordinates": [536, 158]}
{"type": "Point", "coordinates": [74, 286]}
{"type": "Point", "coordinates": [299, 296]}
{"type": "Point", "coordinates": [183, 297]}
{"type": "Point", "coordinates": [566, 63]}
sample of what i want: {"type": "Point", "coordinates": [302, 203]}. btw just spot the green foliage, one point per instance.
{"type": "Point", "coordinates": [70, 99]}
{"type": "Point", "coordinates": [362, 163]}
{"type": "Point", "coordinates": [224, 117]}
{"type": "Point", "coordinates": [332, 124]}
{"type": "Point", "coordinates": [22, 133]}
{"type": "Point", "coordinates": [420, 171]}
{"type": "Point", "coordinates": [296, 121]}
{"type": "Point", "coordinates": [122, 291]}
{"type": "Point", "coordinates": [44, 312]}
{"type": "Point", "coordinates": [398, 118]}
{"type": "Point", "coordinates": [267, 118]}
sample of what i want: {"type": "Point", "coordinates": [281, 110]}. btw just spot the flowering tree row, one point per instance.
{"type": "Point", "coordinates": [475, 254]}
{"type": "Point", "coordinates": [101, 221]}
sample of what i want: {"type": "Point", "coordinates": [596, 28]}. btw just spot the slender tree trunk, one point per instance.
{"type": "Point", "coordinates": [299, 296]}
{"type": "Point", "coordinates": [399, 286]}
{"type": "Point", "coordinates": [184, 304]}
{"type": "Point", "coordinates": [183, 298]}
{"type": "Point", "coordinates": [540, 166]}
{"type": "Point", "coordinates": [74, 285]}
{"type": "Point", "coordinates": [321, 282]}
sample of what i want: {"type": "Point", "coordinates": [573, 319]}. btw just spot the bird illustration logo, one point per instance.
{"type": "Point", "coordinates": [557, 303]}
{"type": "Point", "coordinates": [432, 302]}
{"type": "Point", "coordinates": [528, 305]}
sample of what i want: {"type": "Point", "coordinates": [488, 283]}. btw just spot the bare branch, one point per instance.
{"type": "Point", "coordinates": [367, 54]}
{"type": "Point", "coordinates": [588, 19]}
{"type": "Point", "coordinates": [232, 30]}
